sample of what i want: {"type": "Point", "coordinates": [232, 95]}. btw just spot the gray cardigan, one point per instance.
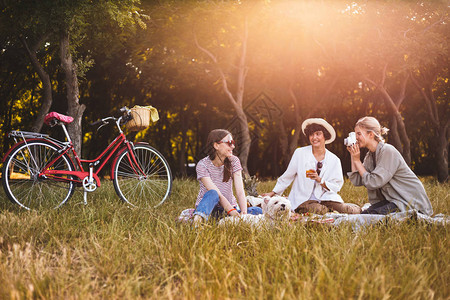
{"type": "Point", "coordinates": [392, 180]}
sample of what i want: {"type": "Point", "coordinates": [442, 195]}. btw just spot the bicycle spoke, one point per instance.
{"type": "Point", "coordinates": [22, 182]}
{"type": "Point", "coordinates": [143, 190]}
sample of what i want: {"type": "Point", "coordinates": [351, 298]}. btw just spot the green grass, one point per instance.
{"type": "Point", "coordinates": [106, 250]}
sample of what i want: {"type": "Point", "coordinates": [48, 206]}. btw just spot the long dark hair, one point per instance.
{"type": "Point", "coordinates": [215, 136]}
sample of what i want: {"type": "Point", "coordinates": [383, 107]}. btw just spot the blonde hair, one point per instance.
{"type": "Point", "coordinates": [372, 124]}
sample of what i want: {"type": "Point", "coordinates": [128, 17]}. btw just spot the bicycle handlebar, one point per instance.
{"type": "Point", "coordinates": [124, 110]}
{"type": "Point", "coordinates": [96, 122]}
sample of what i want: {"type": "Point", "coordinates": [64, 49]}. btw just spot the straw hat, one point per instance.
{"type": "Point", "coordinates": [325, 124]}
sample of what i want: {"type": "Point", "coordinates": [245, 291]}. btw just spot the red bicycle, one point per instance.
{"type": "Point", "coordinates": [39, 172]}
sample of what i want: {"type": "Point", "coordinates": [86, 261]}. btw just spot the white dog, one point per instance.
{"type": "Point", "coordinates": [275, 209]}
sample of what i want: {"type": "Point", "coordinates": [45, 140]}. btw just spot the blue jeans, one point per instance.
{"type": "Point", "coordinates": [209, 206]}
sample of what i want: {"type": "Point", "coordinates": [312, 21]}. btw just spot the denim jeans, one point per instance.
{"type": "Point", "coordinates": [209, 206]}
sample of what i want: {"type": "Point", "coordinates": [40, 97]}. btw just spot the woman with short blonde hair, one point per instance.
{"type": "Point", "coordinates": [391, 184]}
{"type": "Point", "coordinates": [372, 124]}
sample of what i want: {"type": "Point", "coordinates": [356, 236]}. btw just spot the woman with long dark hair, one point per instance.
{"type": "Point", "coordinates": [216, 174]}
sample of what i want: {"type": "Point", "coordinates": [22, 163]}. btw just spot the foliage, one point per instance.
{"type": "Point", "coordinates": [311, 58]}
{"type": "Point", "coordinates": [106, 250]}
{"type": "Point", "coordinates": [40, 28]}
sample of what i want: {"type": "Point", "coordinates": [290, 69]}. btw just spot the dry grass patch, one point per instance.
{"type": "Point", "coordinates": [106, 250]}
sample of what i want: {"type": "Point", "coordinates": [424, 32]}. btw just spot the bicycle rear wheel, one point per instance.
{"type": "Point", "coordinates": [146, 184]}
{"type": "Point", "coordinates": [23, 184]}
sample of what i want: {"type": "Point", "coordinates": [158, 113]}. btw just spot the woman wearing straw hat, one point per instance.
{"type": "Point", "coordinates": [316, 172]}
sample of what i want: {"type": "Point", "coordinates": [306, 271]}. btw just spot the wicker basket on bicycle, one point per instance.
{"type": "Point", "coordinates": [141, 117]}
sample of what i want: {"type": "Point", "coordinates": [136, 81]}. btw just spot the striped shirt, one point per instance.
{"type": "Point", "coordinates": [205, 168]}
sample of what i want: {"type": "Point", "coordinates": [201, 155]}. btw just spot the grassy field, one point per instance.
{"type": "Point", "coordinates": [106, 250]}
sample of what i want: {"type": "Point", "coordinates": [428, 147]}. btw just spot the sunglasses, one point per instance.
{"type": "Point", "coordinates": [230, 142]}
{"type": "Point", "coordinates": [319, 167]}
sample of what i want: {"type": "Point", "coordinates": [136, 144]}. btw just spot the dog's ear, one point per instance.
{"type": "Point", "coordinates": [266, 200]}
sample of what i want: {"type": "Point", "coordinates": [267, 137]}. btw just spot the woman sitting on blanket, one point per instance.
{"type": "Point", "coordinates": [316, 172]}
{"type": "Point", "coordinates": [390, 183]}
{"type": "Point", "coordinates": [216, 174]}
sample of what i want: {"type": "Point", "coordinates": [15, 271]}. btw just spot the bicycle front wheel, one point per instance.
{"type": "Point", "coordinates": [24, 182]}
{"type": "Point", "coordinates": [145, 181]}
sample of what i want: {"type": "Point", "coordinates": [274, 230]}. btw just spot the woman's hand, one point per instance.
{"type": "Point", "coordinates": [234, 213]}
{"type": "Point", "coordinates": [354, 152]}
{"type": "Point", "coordinates": [313, 175]}
{"type": "Point", "coordinates": [270, 194]}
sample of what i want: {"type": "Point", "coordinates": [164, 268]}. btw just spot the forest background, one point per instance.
{"type": "Point", "coordinates": [258, 68]}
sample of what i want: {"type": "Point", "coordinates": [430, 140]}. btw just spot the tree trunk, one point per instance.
{"type": "Point", "coordinates": [393, 106]}
{"type": "Point", "coordinates": [405, 150]}
{"type": "Point", "coordinates": [293, 144]}
{"type": "Point", "coordinates": [182, 155]}
{"type": "Point", "coordinates": [442, 153]}
{"type": "Point", "coordinates": [7, 125]}
{"type": "Point", "coordinates": [441, 129]}
{"type": "Point", "coordinates": [46, 83]}
{"type": "Point", "coordinates": [237, 99]}
{"type": "Point", "coordinates": [298, 118]}
{"type": "Point", "coordinates": [403, 137]}
{"type": "Point", "coordinates": [244, 141]}
{"type": "Point", "coordinates": [284, 143]}
{"type": "Point", "coordinates": [394, 138]}
{"type": "Point", "coordinates": [74, 108]}
{"type": "Point", "coordinates": [398, 138]}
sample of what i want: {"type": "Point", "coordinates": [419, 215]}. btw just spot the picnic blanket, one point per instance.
{"type": "Point", "coordinates": [186, 215]}
{"type": "Point", "coordinates": [357, 221]}
{"type": "Point", "coordinates": [363, 220]}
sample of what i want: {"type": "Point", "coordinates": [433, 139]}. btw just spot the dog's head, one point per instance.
{"type": "Point", "coordinates": [276, 207]}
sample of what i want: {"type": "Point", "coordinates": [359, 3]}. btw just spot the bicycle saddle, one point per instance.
{"type": "Point", "coordinates": [54, 115]}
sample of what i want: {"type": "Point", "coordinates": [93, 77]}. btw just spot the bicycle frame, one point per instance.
{"type": "Point", "coordinates": [119, 144]}
{"type": "Point", "coordinates": [108, 152]}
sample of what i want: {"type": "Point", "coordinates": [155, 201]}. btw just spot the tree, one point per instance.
{"type": "Point", "coordinates": [428, 66]}
{"type": "Point", "coordinates": [226, 46]}
{"type": "Point", "coordinates": [22, 24]}
{"type": "Point", "coordinates": [295, 60]}
{"type": "Point", "coordinates": [64, 23]}
{"type": "Point", "coordinates": [237, 99]}
{"type": "Point", "coordinates": [330, 59]}
{"type": "Point", "coordinates": [400, 137]}
{"type": "Point", "coordinates": [378, 48]}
